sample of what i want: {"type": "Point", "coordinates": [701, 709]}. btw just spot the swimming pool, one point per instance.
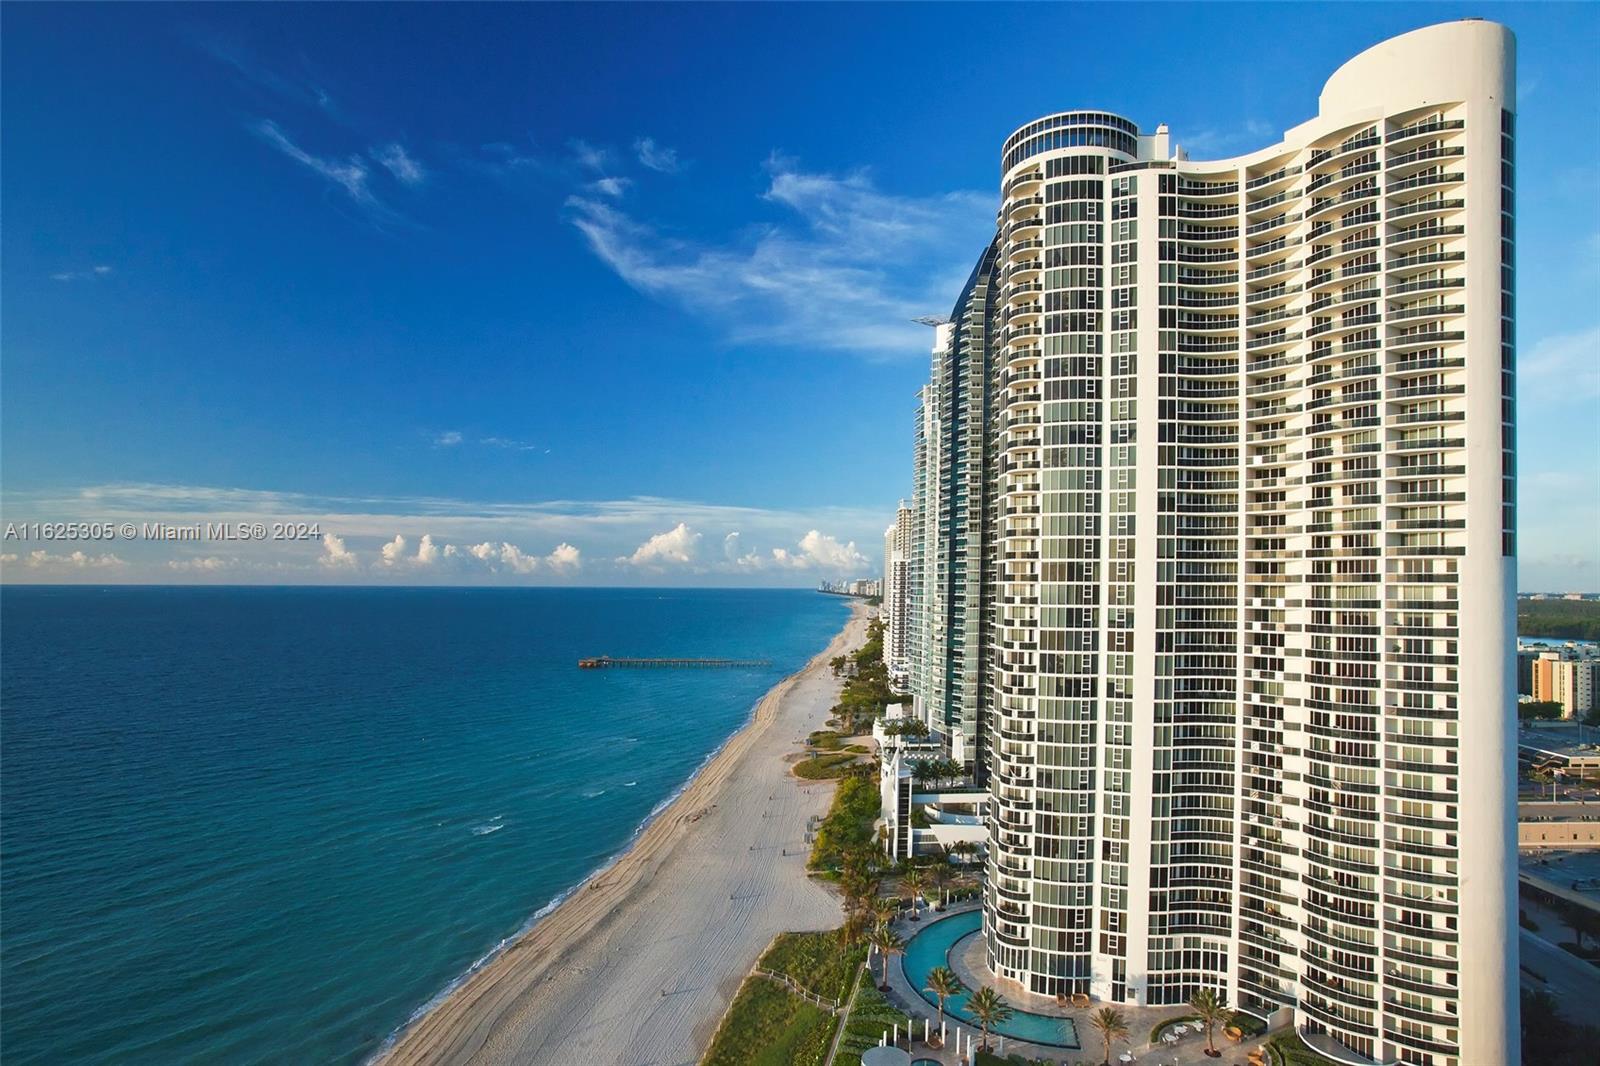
{"type": "Point", "coordinates": [931, 948]}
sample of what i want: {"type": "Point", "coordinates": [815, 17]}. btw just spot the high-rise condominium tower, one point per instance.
{"type": "Point", "coordinates": [1248, 719]}
{"type": "Point", "coordinates": [897, 593]}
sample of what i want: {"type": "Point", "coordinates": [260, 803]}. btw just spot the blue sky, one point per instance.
{"type": "Point", "coordinates": [610, 294]}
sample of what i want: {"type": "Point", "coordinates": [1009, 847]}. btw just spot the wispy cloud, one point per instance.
{"type": "Point", "coordinates": [1218, 142]}
{"type": "Point", "coordinates": [91, 274]}
{"type": "Point", "coordinates": [589, 156]}
{"type": "Point", "coordinates": [613, 187]}
{"type": "Point", "coordinates": [448, 439]}
{"type": "Point", "coordinates": [847, 266]}
{"type": "Point", "coordinates": [1564, 368]}
{"type": "Point", "coordinates": [656, 156]}
{"type": "Point", "coordinates": [395, 158]}
{"type": "Point", "coordinates": [351, 176]}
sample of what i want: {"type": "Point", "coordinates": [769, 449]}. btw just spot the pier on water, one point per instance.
{"type": "Point", "coordinates": [600, 662]}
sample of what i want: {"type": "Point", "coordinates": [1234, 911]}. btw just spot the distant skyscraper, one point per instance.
{"type": "Point", "coordinates": [897, 544]}
{"type": "Point", "coordinates": [1252, 558]}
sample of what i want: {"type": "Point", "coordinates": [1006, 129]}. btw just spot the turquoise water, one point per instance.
{"type": "Point", "coordinates": [930, 949]}
{"type": "Point", "coordinates": [269, 825]}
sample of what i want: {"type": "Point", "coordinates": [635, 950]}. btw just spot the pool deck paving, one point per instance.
{"type": "Point", "coordinates": [968, 962]}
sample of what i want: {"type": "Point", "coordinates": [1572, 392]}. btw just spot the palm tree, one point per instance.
{"type": "Point", "coordinates": [914, 884]}
{"type": "Point", "coordinates": [990, 1008]}
{"type": "Point", "coordinates": [1111, 1025]}
{"type": "Point", "coordinates": [942, 876]}
{"type": "Point", "coordinates": [888, 944]}
{"type": "Point", "coordinates": [943, 983]}
{"type": "Point", "coordinates": [921, 774]}
{"type": "Point", "coordinates": [1210, 1009]}
{"type": "Point", "coordinates": [885, 911]}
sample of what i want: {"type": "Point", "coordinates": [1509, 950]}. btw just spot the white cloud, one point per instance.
{"type": "Point", "coordinates": [677, 545]}
{"type": "Point", "coordinates": [1255, 133]}
{"type": "Point", "coordinates": [1561, 369]}
{"type": "Point", "coordinates": [730, 546]}
{"type": "Point", "coordinates": [590, 157]}
{"type": "Point", "coordinates": [427, 551]}
{"type": "Point", "coordinates": [656, 156]}
{"type": "Point", "coordinates": [565, 558]}
{"type": "Point", "coordinates": [93, 272]}
{"type": "Point", "coordinates": [39, 559]}
{"type": "Point", "coordinates": [826, 553]}
{"type": "Point", "coordinates": [448, 439]}
{"type": "Point", "coordinates": [406, 171]}
{"type": "Point", "coordinates": [350, 175]}
{"type": "Point", "coordinates": [334, 554]}
{"type": "Point", "coordinates": [482, 552]}
{"type": "Point", "coordinates": [848, 267]}
{"type": "Point", "coordinates": [613, 187]}
{"type": "Point", "coordinates": [394, 551]}
{"type": "Point", "coordinates": [514, 558]}
{"type": "Point", "coordinates": [209, 564]}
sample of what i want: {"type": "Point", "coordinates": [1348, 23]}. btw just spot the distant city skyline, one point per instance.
{"type": "Point", "coordinates": [487, 308]}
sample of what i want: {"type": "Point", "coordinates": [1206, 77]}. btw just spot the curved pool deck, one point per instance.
{"type": "Point", "coordinates": [933, 946]}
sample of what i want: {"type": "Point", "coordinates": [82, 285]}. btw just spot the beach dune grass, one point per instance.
{"type": "Point", "coordinates": [768, 1025]}
{"type": "Point", "coordinates": [870, 1017]}
{"type": "Point", "coordinates": [818, 962]}
{"type": "Point", "coordinates": [824, 767]}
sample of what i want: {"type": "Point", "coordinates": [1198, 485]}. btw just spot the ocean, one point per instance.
{"type": "Point", "coordinates": [250, 825]}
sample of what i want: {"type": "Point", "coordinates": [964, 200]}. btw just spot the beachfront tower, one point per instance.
{"type": "Point", "coordinates": [1254, 480]}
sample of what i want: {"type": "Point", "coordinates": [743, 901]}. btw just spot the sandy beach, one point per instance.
{"type": "Point", "coordinates": [637, 967]}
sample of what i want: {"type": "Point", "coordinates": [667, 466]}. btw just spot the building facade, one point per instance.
{"type": "Point", "coordinates": [1252, 548]}
{"type": "Point", "coordinates": [1567, 680]}
{"type": "Point", "coordinates": [897, 544]}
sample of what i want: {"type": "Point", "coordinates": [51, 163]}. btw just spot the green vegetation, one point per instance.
{"type": "Point", "coordinates": [825, 740]}
{"type": "Point", "coordinates": [1212, 1012]}
{"type": "Point", "coordinates": [825, 767]}
{"type": "Point", "coordinates": [1112, 1025]}
{"type": "Point", "coordinates": [990, 1008]}
{"type": "Point", "coordinates": [866, 693]}
{"type": "Point", "coordinates": [1163, 1026]}
{"type": "Point", "coordinates": [869, 1018]}
{"type": "Point", "coordinates": [768, 1025]}
{"type": "Point", "coordinates": [820, 962]}
{"type": "Point", "coordinates": [1539, 710]}
{"type": "Point", "coordinates": [1564, 619]}
{"type": "Point", "coordinates": [848, 824]}
{"type": "Point", "coordinates": [1287, 1049]}
{"type": "Point", "coordinates": [1547, 1037]}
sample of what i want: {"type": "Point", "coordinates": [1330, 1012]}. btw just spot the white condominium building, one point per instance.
{"type": "Point", "coordinates": [1248, 725]}
{"type": "Point", "coordinates": [897, 544]}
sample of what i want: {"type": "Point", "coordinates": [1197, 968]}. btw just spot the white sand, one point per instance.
{"type": "Point", "coordinates": [638, 967]}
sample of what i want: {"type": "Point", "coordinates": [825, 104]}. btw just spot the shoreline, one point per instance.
{"type": "Point", "coordinates": [503, 1008]}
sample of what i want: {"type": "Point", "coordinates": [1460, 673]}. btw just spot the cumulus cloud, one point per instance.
{"type": "Point", "coordinates": [406, 170]}
{"type": "Point", "coordinates": [815, 551]}
{"type": "Point", "coordinates": [209, 564]}
{"type": "Point", "coordinates": [427, 552]}
{"type": "Point", "coordinates": [656, 156]}
{"type": "Point", "coordinates": [394, 552]}
{"type": "Point", "coordinates": [731, 545]}
{"type": "Point", "coordinates": [39, 559]}
{"type": "Point", "coordinates": [676, 546]}
{"type": "Point", "coordinates": [847, 265]}
{"type": "Point", "coordinates": [565, 558]}
{"type": "Point", "coordinates": [334, 554]}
